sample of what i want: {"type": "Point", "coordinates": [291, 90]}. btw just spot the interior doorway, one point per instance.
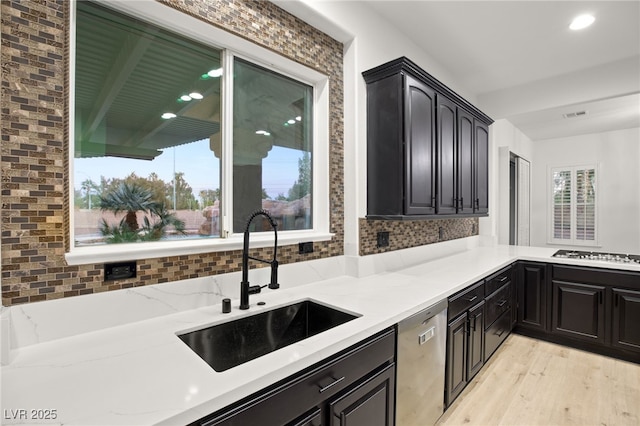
{"type": "Point", "coordinates": [519, 200]}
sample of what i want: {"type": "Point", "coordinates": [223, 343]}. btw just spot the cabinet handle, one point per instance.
{"type": "Point", "coordinates": [501, 303]}
{"type": "Point", "coordinates": [477, 203]}
{"type": "Point", "coordinates": [499, 333]}
{"type": "Point", "coordinates": [461, 208]}
{"type": "Point", "coordinates": [503, 279]}
{"type": "Point", "coordinates": [332, 384]}
{"type": "Point", "coordinates": [471, 299]}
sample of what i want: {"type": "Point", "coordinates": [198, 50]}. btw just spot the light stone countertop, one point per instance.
{"type": "Point", "coordinates": [140, 373]}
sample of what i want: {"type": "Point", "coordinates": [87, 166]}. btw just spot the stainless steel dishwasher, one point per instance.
{"type": "Point", "coordinates": [422, 340]}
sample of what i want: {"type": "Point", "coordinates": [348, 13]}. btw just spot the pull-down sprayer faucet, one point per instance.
{"type": "Point", "coordinates": [245, 289]}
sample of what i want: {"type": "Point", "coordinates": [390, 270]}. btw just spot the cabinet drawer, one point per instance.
{"type": "Point", "coordinates": [283, 402]}
{"type": "Point", "coordinates": [465, 299]}
{"type": "Point", "coordinates": [497, 303]}
{"type": "Point", "coordinates": [496, 333]}
{"type": "Point", "coordinates": [497, 280]}
{"type": "Point", "coordinates": [600, 276]}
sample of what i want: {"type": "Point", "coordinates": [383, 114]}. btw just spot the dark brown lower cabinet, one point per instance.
{"type": "Point", "coordinates": [626, 320]}
{"type": "Point", "coordinates": [456, 357]}
{"type": "Point", "coordinates": [476, 340]}
{"type": "Point", "coordinates": [465, 350]}
{"type": "Point", "coordinates": [532, 295]}
{"type": "Point", "coordinates": [355, 387]}
{"type": "Point", "coordinates": [593, 309]}
{"type": "Point", "coordinates": [367, 404]}
{"type": "Point", "coordinates": [579, 311]}
{"type": "Point", "coordinates": [479, 321]}
{"type": "Point", "coordinates": [314, 418]}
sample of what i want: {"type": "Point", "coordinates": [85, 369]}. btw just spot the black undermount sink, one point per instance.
{"type": "Point", "coordinates": [229, 344]}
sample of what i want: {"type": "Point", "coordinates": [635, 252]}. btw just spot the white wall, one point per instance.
{"type": "Point", "coordinates": [617, 154]}
{"type": "Point", "coordinates": [504, 138]}
{"type": "Point", "coordinates": [369, 41]}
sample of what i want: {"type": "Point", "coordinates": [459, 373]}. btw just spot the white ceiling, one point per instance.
{"type": "Point", "coordinates": [524, 64]}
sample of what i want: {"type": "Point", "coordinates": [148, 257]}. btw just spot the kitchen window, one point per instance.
{"type": "Point", "coordinates": [179, 139]}
{"type": "Point", "coordinates": [573, 206]}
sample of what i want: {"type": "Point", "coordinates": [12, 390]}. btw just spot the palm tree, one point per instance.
{"type": "Point", "coordinates": [132, 198]}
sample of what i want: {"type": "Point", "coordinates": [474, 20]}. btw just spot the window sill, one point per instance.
{"type": "Point", "coordinates": [138, 251]}
{"type": "Point", "coordinates": [594, 244]}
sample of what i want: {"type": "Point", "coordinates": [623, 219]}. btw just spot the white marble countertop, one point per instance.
{"type": "Point", "coordinates": [141, 373]}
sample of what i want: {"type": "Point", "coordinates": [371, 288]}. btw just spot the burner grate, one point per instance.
{"type": "Point", "coordinates": [604, 257]}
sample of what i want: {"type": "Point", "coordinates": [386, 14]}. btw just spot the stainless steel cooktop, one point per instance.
{"type": "Point", "coordinates": [603, 257]}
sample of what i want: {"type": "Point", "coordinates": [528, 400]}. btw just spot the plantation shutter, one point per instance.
{"type": "Point", "coordinates": [573, 215]}
{"type": "Point", "coordinates": [562, 205]}
{"type": "Point", "coordinates": [585, 205]}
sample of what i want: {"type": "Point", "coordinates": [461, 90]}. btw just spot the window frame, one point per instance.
{"type": "Point", "coordinates": [231, 46]}
{"type": "Point", "coordinates": [572, 241]}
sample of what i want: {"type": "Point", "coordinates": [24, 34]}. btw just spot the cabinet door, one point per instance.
{"type": "Point", "coordinates": [313, 418]}
{"type": "Point", "coordinates": [482, 168]}
{"type": "Point", "coordinates": [578, 311]}
{"type": "Point", "coordinates": [456, 357]}
{"type": "Point", "coordinates": [626, 319]}
{"type": "Point", "coordinates": [475, 359]}
{"type": "Point", "coordinates": [370, 403]}
{"type": "Point", "coordinates": [532, 296]}
{"type": "Point", "coordinates": [447, 141]}
{"type": "Point", "coordinates": [420, 122]}
{"type": "Point", "coordinates": [466, 178]}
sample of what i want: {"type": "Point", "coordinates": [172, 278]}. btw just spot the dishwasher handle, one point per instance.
{"type": "Point", "coordinates": [423, 317]}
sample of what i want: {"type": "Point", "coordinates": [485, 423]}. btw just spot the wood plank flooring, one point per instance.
{"type": "Point", "coordinates": [529, 382]}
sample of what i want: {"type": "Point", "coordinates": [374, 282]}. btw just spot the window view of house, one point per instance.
{"type": "Point", "coordinates": [148, 136]}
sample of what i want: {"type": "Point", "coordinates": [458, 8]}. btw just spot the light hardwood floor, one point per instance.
{"type": "Point", "coordinates": [531, 382]}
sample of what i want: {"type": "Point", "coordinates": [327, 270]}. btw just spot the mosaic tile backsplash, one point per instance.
{"type": "Point", "coordinates": [413, 233]}
{"type": "Point", "coordinates": [35, 170]}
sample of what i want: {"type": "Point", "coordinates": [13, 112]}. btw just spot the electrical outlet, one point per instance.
{"type": "Point", "coordinates": [119, 271]}
{"type": "Point", "coordinates": [383, 239]}
{"type": "Point", "coordinates": [304, 248]}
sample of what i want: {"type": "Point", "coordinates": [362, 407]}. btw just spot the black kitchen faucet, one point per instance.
{"type": "Point", "coordinates": [245, 289]}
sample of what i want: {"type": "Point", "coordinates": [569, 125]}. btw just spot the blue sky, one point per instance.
{"type": "Point", "coordinates": [201, 168]}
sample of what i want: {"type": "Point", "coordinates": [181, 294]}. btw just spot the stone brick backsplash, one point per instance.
{"type": "Point", "coordinates": [413, 233]}
{"type": "Point", "coordinates": [34, 153]}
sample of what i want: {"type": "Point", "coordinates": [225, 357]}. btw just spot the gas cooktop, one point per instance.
{"type": "Point", "coordinates": [603, 257]}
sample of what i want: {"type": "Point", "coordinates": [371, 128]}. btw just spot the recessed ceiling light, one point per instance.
{"type": "Point", "coordinates": [185, 98]}
{"type": "Point", "coordinates": [298, 118]}
{"type": "Point", "coordinates": [263, 132]}
{"type": "Point", "coordinates": [292, 121]}
{"type": "Point", "coordinates": [196, 95]}
{"type": "Point", "coordinates": [168, 115]}
{"type": "Point", "coordinates": [215, 73]}
{"type": "Point", "coordinates": [582, 21]}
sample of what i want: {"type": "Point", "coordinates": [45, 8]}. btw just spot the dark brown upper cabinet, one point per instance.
{"type": "Point", "coordinates": [427, 147]}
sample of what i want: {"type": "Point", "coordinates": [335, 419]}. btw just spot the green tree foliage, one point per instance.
{"type": "Point", "coordinates": [153, 184]}
{"type": "Point", "coordinates": [302, 186]}
{"type": "Point", "coordinates": [132, 198]}
{"type": "Point", "coordinates": [87, 197]}
{"type": "Point", "coordinates": [184, 198]}
{"type": "Point", "coordinates": [209, 196]}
